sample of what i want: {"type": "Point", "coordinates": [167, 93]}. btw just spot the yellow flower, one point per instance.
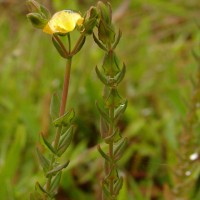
{"type": "Point", "coordinates": [63, 22]}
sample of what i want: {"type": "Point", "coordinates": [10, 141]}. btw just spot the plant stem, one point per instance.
{"type": "Point", "coordinates": [61, 44]}
{"type": "Point", "coordinates": [62, 111]}
{"type": "Point", "coordinates": [64, 98]}
{"type": "Point", "coordinates": [69, 42]}
{"type": "Point", "coordinates": [111, 130]}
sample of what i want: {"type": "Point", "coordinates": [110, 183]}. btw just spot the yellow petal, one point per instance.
{"type": "Point", "coordinates": [80, 21]}
{"type": "Point", "coordinates": [63, 22]}
{"type": "Point", "coordinates": [47, 29]}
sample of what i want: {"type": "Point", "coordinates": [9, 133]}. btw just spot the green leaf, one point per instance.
{"type": "Point", "coordinates": [44, 162]}
{"type": "Point", "coordinates": [118, 185]}
{"type": "Point", "coordinates": [89, 25]}
{"type": "Point", "coordinates": [105, 190]}
{"type": "Point", "coordinates": [104, 155]}
{"type": "Point", "coordinates": [103, 113]}
{"type": "Point", "coordinates": [101, 77]}
{"type": "Point", "coordinates": [105, 12]}
{"type": "Point", "coordinates": [119, 148]}
{"type": "Point", "coordinates": [119, 77]}
{"type": "Point", "coordinates": [99, 43]}
{"type": "Point", "coordinates": [54, 171]}
{"type": "Point", "coordinates": [106, 32]}
{"type": "Point", "coordinates": [113, 100]}
{"type": "Point", "coordinates": [78, 45]}
{"type": "Point", "coordinates": [110, 138]}
{"type": "Point", "coordinates": [120, 110]}
{"type": "Point", "coordinates": [103, 127]}
{"type": "Point", "coordinates": [118, 39]}
{"type": "Point", "coordinates": [65, 141]}
{"type": "Point", "coordinates": [55, 183]}
{"type": "Point", "coordinates": [48, 145]}
{"type": "Point", "coordinates": [40, 188]}
{"type": "Point", "coordinates": [54, 106]}
{"type": "Point", "coordinates": [64, 120]}
{"type": "Point", "coordinates": [110, 64]}
{"type": "Point", "coordinates": [60, 48]}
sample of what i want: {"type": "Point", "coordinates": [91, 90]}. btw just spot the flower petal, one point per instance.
{"type": "Point", "coordinates": [63, 22]}
{"type": "Point", "coordinates": [47, 29]}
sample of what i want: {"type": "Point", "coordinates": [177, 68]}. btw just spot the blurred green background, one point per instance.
{"type": "Point", "coordinates": [158, 38]}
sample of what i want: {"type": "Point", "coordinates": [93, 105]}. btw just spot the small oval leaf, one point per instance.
{"type": "Point", "coordinates": [55, 183]}
{"type": "Point", "coordinates": [103, 113]}
{"type": "Point", "coordinates": [118, 39]}
{"type": "Point", "coordinates": [99, 43]}
{"type": "Point", "coordinates": [119, 77]}
{"type": "Point", "coordinates": [119, 148]}
{"type": "Point", "coordinates": [120, 110]}
{"type": "Point", "coordinates": [44, 162]}
{"type": "Point", "coordinates": [104, 155]}
{"type": "Point", "coordinates": [65, 141]}
{"type": "Point", "coordinates": [48, 145]}
{"type": "Point", "coordinates": [64, 120]}
{"type": "Point", "coordinates": [54, 171]}
{"type": "Point", "coordinates": [101, 77]}
{"type": "Point", "coordinates": [118, 185]}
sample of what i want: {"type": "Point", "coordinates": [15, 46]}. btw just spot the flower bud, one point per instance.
{"type": "Point", "coordinates": [90, 20]}
{"type": "Point", "coordinates": [105, 12]}
{"type": "Point", "coordinates": [37, 20]}
{"type": "Point", "coordinates": [33, 6]}
{"type": "Point", "coordinates": [106, 31]}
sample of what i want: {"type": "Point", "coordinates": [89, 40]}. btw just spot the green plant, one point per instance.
{"type": "Point", "coordinates": [60, 25]}
{"type": "Point", "coordinates": [187, 170]}
{"type": "Point", "coordinates": [114, 106]}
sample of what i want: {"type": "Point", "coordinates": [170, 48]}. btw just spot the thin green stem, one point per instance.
{"type": "Point", "coordinates": [65, 86]}
{"type": "Point", "coordinates": [61, 44]}
{"type": "Point", "coordinates": [62, 111]}
{"type": "Point", "coordinates": [111, 165]}
{"type": "Point", "coordinates": [69, 42]}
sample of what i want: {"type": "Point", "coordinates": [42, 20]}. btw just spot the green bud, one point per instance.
{"type": "Point", "coordinates": [105, 12]}
{"type": "Point", "coordinates": [90, 20]}
{"type": "Point", "coordinates": [89, 26]}
{"type": "Point", "coordinates": [37, 20]}
{"type": "Point", "coordinates": [92, 13]}
{"type": "Point", "coordinates": [106, 32]}
{"type": "Point", "coordinates": [33, 6]}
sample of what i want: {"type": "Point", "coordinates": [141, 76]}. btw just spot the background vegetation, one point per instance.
{"type": "Point", "coordinates": [158, 38]}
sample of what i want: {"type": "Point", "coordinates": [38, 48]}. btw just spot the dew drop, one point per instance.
{"type": "Point", "coordinates": [188, 173]}
{"type": "Point", "coordinates": [194, 156]}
